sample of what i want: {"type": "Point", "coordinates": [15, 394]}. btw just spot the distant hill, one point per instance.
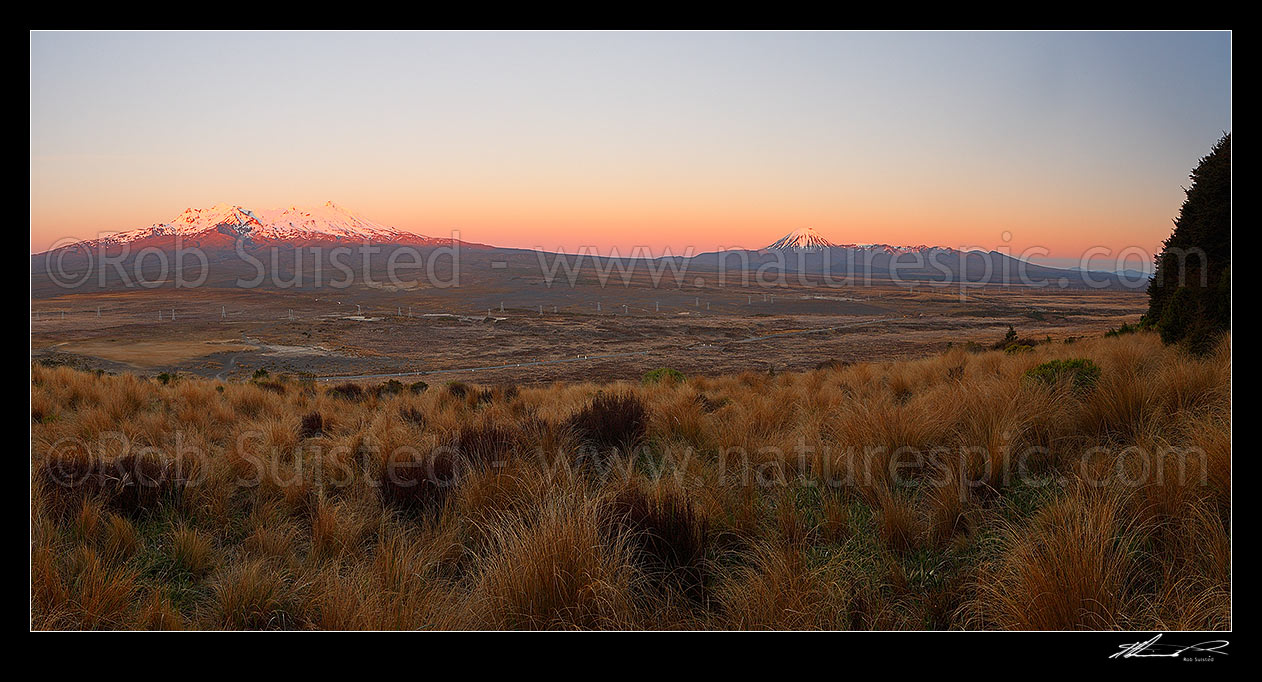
{"type": "Point", "coordinates": [309, 247]}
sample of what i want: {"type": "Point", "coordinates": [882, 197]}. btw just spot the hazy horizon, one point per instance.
{"type": "Point", "coordinates": [560, 141]}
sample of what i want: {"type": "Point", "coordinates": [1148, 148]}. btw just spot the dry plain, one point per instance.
{"type": "Point", "coordinates": [532, 333]}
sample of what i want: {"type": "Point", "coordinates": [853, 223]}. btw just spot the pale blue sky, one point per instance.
{"type": "Point", "coordinates": [550, 139]}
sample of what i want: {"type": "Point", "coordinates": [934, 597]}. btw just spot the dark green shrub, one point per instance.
{"type": "Point", "coordinates": [1188, 320]}
{"type": "Point", "coordinates": [1081, 373]}
{"type": "Point", "coordinates": [1124, 329]}
{"type": "Point", "coordinates": [391, 387]}
{"type": "Point", "coordinates": [663, 374]}
{"type": "Point", "coordinates": [1012, 343]}
{"type": "Point", "coordinates": [347, 391]}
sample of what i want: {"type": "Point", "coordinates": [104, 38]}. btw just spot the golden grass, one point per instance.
{"type": "Point", "coordinates": [153, 353]}
{"type": "Point", "coordinates": [945, 492]}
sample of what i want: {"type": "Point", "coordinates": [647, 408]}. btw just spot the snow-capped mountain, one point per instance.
{"type": "Point", "coordinates": [808, 239]}
{"type": "Point", "coordinates": [330, 220]}
{"type": "Point", "coordinates": [804, 239]}
{"type": "Point", "coordinates": [195, 220]}
{"type": "Point", "coordinates": [293, 224]}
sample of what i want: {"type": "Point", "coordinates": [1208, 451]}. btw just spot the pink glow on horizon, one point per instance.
{"type": "Point", "coordinates": [677, 225]}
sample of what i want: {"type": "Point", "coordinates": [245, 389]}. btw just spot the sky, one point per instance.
{"type": "Point", "coordinates": [1048, 144]}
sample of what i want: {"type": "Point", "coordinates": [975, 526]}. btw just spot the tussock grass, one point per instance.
{"type": "Point", "coordinates": [952, 491]}
{"type": "Point", "coordinates": [612, 421]}
{"type": "Point", "coordinates": [668, 534]}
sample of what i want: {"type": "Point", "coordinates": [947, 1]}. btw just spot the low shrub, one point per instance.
{"type": "Point", "coordinates": [347, 391]}
{"type": "Point", "coordinates": [1013, 344]}
{"type": "Point", "coordinates": [663, 374]}
{"type": "Point", "coordinates": [1122, 330]}
{"type": "Point", "coordinates": [1080, 372]}
{"type": "Point", "coordinates": [391, 387]}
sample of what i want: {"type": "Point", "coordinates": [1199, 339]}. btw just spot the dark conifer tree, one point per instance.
{"type": "Point", "coordinates": [1189, 298]}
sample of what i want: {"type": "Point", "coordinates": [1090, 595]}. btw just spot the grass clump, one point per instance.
{"type": "Point", "coordinates": [612, 420]}
{"type": "Point", "coordinates": [414, 482]}
{"type": "Point", "coordinates": [312, 425]}
{"type": "Point", "coordinates": [668, 534]}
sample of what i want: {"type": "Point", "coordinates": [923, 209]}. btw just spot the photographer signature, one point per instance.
{"type": "Point", "coordinates": [1151, 649]}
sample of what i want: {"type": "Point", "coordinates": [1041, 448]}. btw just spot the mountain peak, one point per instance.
{"type": "Point", "coordinates": [805, 238]}
{"type": "Point", "coordinates": [198, 219]}
{"type": "Point", "coordinates": [328, 221]}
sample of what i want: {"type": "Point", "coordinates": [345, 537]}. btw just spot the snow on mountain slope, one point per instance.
{"type": "Point", "coordinates": [805, 238]}
{"type": "Point", "coordinates": [195, 220]}
{"type": "Point", "coordinates": [808, 239]}
{"type": "Point", "coordinates": [326, 220]}
{"type": "Point", "coordinates": [283, 224]}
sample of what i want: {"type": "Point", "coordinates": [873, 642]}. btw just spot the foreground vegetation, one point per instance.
{"type": "Point", "coordinates": [976, 489]}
